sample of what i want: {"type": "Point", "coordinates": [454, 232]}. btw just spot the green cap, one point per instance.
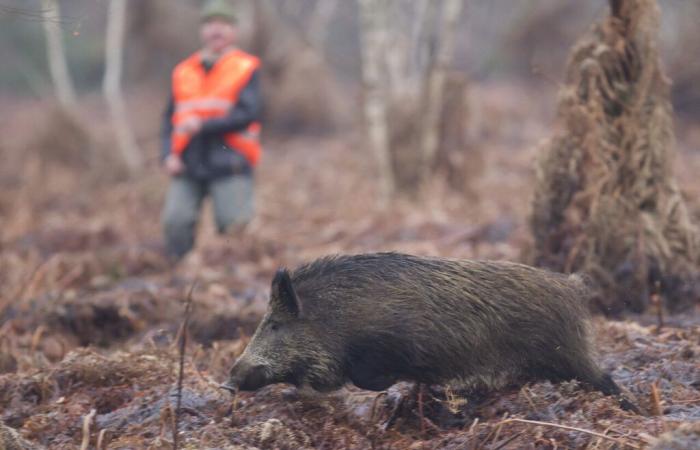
{"type": "Point", "coordinates": [218, 8]}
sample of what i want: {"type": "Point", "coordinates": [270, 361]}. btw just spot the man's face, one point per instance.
{"type": "Point", "coordinates": [217, 34]}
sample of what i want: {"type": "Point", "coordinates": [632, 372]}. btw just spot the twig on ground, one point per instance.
{"type": "Point", "coordinates": [420, 410]}
{"type": "Point", "coordinates": [655, 399]}
{"type": "Point", "coordinates": [685, 402]}
{"type": "Point", "coordinates": [499, 427]}
{"type": "Point", "coordinates": [181, 373]}
{"type": "Point", "coordinates": [526, 393]}
{"type": "Point", "coordinates": [86, 429]}
{"type": "Point", "coordinates": [166, 419]}
{"type": "Point", "coordinates": [494, 431]}
{"type": "Point", "coordinates": [19, 293]}
{"type": "Point", "coordinates": [101, 439]}
{"type": "Point", "coordinates": [508, 440]}
{"type": "Point", "coordinates": [566, 427]}
{"type": "Point", "coordinates": [36, 338]}
{"type": "Point", "coordinates": [473, 426]}
{"type": "Point", "coordinates": [373, 415]}
{"type": "Point", "coordinates": [658, 304]}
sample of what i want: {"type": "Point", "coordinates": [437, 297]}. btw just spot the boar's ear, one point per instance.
{"type": "Point", "coordinates": [283, 295]}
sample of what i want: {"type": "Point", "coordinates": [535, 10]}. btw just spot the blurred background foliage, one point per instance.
{"type": "Point", "coordinates": [80, 238]}
{"type": "Point", "coordinates": [497, 38]}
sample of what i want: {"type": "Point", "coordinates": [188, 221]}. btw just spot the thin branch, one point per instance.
{"type": "Point", "coordinates": [101, 439]}
{"type": "Point", "coordinates": [508, 441]}
{"type": "Point", "coordinates": [86, 429]}
{"type": "Point", "coordinates": [685, 402]}
{"type": "Point", "coordinates": [181, 373]}
{"type": "Point", "coordinates": [566, 427]}
{"type": "Point", "coordinates": [655, 399]}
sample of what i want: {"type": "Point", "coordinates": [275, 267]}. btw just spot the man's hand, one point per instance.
{"type": "Point", "coordinates": [190, 125]}
{"type": "Point", "coordinates": [174, 165]}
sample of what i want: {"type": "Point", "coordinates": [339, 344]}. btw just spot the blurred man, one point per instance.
{"type": "Point", "coordinates": [210, 132]}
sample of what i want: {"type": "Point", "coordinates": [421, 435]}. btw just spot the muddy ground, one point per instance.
{"type": "Point", "coordinates": [90, 308]}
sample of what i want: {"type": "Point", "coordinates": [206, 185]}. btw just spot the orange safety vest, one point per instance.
{"type": "Point", "coordinates": [212, 94]}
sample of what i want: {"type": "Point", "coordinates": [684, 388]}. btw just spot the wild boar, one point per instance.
{"type": "Point", "coordinates": [376, 319]}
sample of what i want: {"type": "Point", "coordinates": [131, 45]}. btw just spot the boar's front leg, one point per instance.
{"type": "Point", "coordinates": [365, 375]}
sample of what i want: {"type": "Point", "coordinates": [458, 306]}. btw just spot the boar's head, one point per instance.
{"type": "Point", "coordinates": [290, 345]}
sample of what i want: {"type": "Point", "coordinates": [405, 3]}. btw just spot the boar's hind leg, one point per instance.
{"type": "Point", "coordinates": [605, 384]}
{"type": "Point", "coordinates": [583, 370]}
{"type": "Point", "coordinates": [587, 372]}
{"type": "Point", "coordinates": [365, 376]}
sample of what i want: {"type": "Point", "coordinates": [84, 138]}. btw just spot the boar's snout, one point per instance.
{"type": "Point", "coordinates": [248, 377]}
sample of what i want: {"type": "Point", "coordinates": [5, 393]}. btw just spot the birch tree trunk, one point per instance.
{"type": "Point", "coordinates": [319, 23]}
{"type": "Point", "coordinates": [114, 49]}
{"type": "Point", "coordinates": [373, 26]}
{"type": "Point", "coordinates": [435, 85]}
{"type": "Point", "coordinates": [56, 55]}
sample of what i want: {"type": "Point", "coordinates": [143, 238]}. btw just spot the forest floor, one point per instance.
{"type": "Point", "coordinates": [90, 309]}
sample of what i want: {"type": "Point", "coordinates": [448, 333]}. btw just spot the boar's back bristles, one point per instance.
{"type": "Point", "coordinates": [438, 319]}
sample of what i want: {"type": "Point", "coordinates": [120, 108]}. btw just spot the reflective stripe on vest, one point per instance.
{"type": "Point", "coordinates": [213, 103]}
{"type": "Point", "coordinates": [211, 94]}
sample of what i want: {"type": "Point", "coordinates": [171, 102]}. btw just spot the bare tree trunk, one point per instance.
{"type": "Point", "coordinates": [112, 85]}
{"type": "Point", "coordinates": [418, 26]}
{"type": "Point", "coordinates": [397, 51]}
{"type": "Point", "coordinates": [60, 76]}
{"type": "Point", "coordinates": [319, 23]}
{"type": "Point", "coordinates": [435, 85]}
{"type": "Point", "coordinates": [373, 37]}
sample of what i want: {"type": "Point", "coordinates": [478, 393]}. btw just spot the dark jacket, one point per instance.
{"type": "Point", "coordinates": [207, 156]}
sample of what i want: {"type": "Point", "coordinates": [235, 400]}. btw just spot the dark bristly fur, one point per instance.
{"type": "Point", "coordinates": [376, 319]}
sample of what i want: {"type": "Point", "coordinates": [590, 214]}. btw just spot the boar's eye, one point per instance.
{"type": "Point", "coordinates": [274, 326]}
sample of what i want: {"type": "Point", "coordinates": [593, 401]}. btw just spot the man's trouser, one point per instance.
{"type": "Point", "coordinates": [233, 205]}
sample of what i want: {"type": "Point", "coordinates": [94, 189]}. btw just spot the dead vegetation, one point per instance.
{"type": "Point", "coordinates": [134, 399]}
{"type": "Point", "coordinates": [90, 309]}
{"type": "Point", "coordinates": [606, 201]}
{"type": "Point", "coordinates": [11, 440]}
{"type": "Point", "coordinates": [70, 283]}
